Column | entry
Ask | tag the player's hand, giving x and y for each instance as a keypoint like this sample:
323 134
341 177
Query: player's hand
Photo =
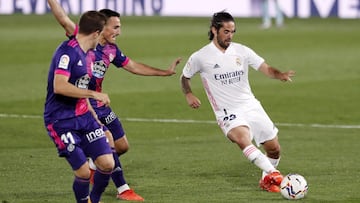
286 76
171 70
192 101
102 97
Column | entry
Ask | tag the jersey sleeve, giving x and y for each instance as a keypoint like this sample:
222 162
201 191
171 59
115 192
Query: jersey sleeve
191 67
120 59
254 59
63 61
73 35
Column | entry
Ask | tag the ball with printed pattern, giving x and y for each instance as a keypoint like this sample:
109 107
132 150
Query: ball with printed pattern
294 186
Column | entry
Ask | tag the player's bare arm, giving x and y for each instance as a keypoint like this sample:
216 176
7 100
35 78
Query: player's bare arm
62 17
275 73
146 70
191 99
63 87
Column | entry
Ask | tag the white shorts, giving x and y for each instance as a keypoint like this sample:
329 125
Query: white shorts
252 115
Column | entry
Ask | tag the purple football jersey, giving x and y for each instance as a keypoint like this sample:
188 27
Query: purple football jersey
99 60
103 57
69 60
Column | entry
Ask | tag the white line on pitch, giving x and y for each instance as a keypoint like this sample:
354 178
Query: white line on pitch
314 125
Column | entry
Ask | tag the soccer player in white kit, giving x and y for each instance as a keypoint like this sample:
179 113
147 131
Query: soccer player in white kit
224 66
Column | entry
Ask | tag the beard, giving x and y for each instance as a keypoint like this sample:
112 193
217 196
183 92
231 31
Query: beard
223 43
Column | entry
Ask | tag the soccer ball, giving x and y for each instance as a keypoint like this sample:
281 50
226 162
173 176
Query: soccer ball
293 186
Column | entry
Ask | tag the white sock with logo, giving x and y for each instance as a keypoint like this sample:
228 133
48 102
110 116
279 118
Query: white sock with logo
258 158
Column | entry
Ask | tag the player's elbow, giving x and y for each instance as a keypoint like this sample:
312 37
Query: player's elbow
58 90
184 79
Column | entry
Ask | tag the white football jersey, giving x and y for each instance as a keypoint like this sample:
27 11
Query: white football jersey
224 75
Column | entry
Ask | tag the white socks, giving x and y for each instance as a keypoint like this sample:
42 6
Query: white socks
123 188
259 159
274 162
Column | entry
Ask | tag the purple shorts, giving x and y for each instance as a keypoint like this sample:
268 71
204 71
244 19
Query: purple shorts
78 138
111 121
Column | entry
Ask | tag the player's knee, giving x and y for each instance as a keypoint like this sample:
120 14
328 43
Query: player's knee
121 146
105 162
122 150
83 172
273 151
108 166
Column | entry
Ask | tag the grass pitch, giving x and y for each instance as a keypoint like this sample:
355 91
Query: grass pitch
317 115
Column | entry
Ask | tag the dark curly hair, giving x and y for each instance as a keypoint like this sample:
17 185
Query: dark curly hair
217 21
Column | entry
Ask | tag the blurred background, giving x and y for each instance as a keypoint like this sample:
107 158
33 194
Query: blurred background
243 8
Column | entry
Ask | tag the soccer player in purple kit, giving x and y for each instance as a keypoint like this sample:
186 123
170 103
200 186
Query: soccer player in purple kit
72 127
107 53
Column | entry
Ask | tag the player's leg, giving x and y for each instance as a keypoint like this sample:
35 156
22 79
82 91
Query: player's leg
265 134
272 149
236 125
81 180
63 134
117 175
104 166
92 165
266 19
112 122
97 148
241 136
121 146
279 15
118 134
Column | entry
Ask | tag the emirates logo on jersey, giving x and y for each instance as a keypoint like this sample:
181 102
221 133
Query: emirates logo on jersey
229 78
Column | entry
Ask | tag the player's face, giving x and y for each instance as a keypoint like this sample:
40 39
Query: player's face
225 34
112 29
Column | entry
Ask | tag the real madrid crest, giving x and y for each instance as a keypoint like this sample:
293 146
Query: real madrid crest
238 62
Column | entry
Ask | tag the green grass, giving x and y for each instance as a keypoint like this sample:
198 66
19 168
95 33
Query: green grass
190 162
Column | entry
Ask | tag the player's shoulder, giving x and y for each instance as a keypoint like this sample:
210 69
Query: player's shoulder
237 45
70 49
109 46
205 50
70 46
67 46
240 48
